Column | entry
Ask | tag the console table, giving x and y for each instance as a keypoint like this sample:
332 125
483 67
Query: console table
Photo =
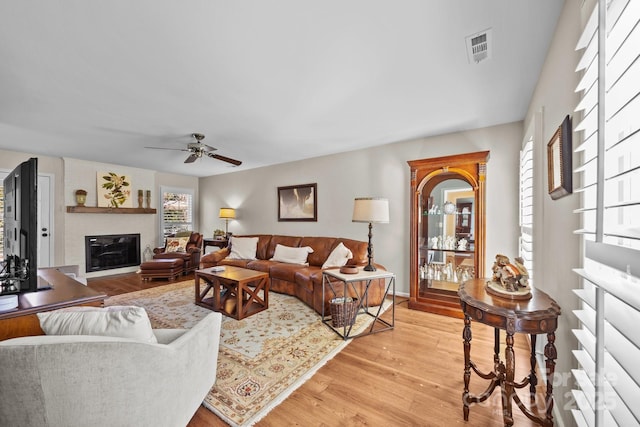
534 316
339 284
220 243
65 292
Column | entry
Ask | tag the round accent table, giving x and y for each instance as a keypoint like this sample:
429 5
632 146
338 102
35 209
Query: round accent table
537 315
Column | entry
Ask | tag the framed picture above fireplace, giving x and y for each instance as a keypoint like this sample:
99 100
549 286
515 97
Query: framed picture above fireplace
114 190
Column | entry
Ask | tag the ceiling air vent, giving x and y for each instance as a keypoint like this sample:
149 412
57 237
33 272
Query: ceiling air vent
479 46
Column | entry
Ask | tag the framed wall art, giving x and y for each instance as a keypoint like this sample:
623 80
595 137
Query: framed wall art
114 190
559 154
298 203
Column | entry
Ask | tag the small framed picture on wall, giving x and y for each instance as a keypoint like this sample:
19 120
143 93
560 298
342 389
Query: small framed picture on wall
559 154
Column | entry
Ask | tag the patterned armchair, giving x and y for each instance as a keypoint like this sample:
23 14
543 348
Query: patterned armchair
190 253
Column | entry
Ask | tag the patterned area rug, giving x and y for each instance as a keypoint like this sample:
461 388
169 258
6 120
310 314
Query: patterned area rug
262 358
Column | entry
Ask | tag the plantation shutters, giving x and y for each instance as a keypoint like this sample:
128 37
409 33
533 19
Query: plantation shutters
525 249
177 210
609 373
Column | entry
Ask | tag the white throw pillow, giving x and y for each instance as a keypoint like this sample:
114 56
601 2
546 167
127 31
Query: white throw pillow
116 321
291 255
243 248
338 256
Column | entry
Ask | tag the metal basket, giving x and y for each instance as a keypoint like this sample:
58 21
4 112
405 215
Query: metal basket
343 311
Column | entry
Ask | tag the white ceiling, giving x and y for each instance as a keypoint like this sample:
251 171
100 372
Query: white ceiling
267 82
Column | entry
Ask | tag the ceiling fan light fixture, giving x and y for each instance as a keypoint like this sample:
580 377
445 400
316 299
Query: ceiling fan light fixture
197 149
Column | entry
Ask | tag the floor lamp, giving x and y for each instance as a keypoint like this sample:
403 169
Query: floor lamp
227 214
370 209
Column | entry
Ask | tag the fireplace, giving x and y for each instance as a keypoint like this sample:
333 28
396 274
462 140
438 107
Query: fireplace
111 251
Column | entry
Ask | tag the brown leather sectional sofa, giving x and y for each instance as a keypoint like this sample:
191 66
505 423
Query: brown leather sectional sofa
304 282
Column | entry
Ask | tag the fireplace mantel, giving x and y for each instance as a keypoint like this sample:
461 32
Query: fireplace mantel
93 209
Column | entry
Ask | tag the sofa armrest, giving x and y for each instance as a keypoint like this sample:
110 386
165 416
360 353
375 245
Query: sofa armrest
213 258
193 250
166 336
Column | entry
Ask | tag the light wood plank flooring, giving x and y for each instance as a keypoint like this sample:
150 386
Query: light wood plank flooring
411 376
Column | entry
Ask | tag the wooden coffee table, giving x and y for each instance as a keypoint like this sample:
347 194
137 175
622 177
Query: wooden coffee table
235 291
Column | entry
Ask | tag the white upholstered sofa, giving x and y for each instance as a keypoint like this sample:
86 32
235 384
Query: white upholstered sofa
87 380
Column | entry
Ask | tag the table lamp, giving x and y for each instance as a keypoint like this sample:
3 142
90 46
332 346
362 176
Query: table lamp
370 209
227 214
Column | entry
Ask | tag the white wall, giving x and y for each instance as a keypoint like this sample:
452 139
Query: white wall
81 174
557 249
381 172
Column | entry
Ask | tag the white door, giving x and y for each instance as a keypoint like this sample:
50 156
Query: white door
45 242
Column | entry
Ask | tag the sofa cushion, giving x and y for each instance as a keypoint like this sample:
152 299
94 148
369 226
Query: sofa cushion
116 321
322 247
291 241
284 271
243 247
338 257
262 246
302 277
176 244
263 265
243 263
292 255
358 249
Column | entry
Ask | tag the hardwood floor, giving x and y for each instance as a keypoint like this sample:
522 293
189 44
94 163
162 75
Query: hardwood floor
410 376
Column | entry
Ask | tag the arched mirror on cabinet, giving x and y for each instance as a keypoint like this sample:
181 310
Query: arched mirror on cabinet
447 229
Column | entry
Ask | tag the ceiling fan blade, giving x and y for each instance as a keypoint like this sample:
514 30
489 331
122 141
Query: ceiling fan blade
208 147
192 158
163 148
224 159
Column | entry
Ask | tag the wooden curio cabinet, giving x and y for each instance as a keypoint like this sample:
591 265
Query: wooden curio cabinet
447 229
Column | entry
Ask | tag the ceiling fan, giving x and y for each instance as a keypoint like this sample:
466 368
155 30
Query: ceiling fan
197 149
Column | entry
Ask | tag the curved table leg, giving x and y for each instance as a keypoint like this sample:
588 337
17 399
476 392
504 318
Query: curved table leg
551 354
466 336
508 390
533 379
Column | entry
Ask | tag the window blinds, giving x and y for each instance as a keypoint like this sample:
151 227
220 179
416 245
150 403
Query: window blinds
526 205
177 211
609 172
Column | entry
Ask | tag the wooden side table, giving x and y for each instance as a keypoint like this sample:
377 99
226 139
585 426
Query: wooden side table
235 291
220 243
537 315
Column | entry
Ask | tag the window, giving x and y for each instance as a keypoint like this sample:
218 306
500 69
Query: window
525 249
609 171
177 210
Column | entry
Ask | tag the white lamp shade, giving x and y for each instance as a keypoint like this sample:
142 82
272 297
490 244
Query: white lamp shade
371 209
227 213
